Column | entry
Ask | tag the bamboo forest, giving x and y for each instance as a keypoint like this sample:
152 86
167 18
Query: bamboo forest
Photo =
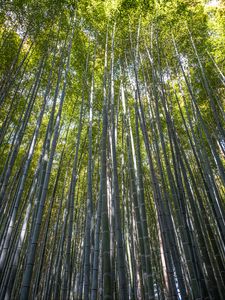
112 149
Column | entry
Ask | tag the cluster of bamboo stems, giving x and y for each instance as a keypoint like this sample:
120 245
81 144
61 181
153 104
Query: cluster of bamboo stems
136 210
